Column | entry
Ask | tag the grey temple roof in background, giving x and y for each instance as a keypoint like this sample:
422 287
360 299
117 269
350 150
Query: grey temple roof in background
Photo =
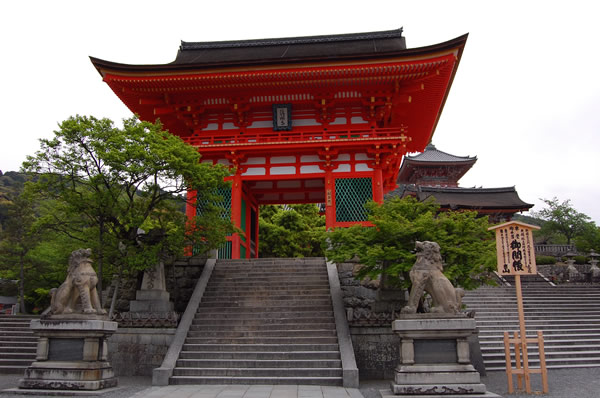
433 155
466 198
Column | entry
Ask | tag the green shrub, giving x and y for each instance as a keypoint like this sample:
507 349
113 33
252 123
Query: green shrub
545 260
580 259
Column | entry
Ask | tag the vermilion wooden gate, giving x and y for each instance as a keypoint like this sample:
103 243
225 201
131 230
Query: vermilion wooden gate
322 119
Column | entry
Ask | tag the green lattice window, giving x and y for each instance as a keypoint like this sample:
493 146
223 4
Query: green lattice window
221 199
225 250
351 194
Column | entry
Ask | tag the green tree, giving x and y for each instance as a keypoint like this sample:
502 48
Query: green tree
562 219
291 231
108 184
467 247
17 240
588 239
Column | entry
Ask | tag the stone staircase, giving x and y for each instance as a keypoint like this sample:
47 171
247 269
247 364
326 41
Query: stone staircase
568 315
263 321
17 344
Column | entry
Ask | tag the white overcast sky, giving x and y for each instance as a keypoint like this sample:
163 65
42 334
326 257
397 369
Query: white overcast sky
525 100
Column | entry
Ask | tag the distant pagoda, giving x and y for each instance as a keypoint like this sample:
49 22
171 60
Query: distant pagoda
435 174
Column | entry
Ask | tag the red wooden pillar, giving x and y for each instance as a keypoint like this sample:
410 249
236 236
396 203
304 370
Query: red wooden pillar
190 212
378 185
329 200
257 236
236 214
190 206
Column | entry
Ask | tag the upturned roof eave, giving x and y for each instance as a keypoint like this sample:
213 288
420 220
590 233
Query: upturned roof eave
104 65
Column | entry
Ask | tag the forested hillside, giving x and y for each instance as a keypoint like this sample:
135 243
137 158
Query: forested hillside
11 184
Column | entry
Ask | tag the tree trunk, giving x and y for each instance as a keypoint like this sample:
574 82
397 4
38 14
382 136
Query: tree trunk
22 283
115 293
100 260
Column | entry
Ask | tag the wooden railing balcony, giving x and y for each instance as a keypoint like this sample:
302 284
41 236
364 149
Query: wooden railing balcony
251 138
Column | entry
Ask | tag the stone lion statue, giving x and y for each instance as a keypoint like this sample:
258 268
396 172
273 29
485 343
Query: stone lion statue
78 288
426 275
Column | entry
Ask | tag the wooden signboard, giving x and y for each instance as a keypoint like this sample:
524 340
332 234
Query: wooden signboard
514 248
516 256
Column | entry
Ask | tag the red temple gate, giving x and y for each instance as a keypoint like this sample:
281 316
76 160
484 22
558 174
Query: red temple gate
322 119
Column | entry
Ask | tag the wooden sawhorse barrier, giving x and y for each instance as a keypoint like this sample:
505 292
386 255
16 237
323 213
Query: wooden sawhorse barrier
522 369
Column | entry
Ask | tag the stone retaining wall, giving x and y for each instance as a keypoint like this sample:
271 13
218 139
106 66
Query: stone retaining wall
136 351
559 273
181 277
377 352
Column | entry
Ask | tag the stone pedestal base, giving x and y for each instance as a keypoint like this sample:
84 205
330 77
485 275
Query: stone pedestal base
148 301
435 358
71 355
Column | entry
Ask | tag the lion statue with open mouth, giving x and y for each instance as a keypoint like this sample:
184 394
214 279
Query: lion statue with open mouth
427 276
78 288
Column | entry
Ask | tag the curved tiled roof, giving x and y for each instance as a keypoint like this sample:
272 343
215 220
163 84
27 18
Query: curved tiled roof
432 154
291 48
466 198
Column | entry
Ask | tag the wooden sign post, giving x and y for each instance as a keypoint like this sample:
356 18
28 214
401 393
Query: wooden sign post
516 256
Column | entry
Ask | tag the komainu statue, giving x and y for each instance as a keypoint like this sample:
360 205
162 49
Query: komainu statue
78 293
426 275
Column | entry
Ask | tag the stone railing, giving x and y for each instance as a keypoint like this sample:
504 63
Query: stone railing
554 250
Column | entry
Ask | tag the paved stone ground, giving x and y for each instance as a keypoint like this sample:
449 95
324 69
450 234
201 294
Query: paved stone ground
564 383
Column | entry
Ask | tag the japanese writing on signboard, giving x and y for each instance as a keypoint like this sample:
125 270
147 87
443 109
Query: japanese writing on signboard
282 117
514 246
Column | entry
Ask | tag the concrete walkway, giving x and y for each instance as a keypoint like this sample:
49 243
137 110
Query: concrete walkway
564 383
242 391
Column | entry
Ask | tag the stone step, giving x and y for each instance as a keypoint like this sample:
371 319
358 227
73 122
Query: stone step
271 279
267 269
259 372
551 363
15 339
7 334
272 288
260 310
16 328
260 355
244 320
280 271
13 369
230 334
541 315
544 326
28 349
266 303
261 340
20 362
265 296
236 327
532 352
248 285
263 322
572 333
28 355
534 310
543 304
274 260
546 291
313 380
204 315
262 347
553 341
259 363
531 292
